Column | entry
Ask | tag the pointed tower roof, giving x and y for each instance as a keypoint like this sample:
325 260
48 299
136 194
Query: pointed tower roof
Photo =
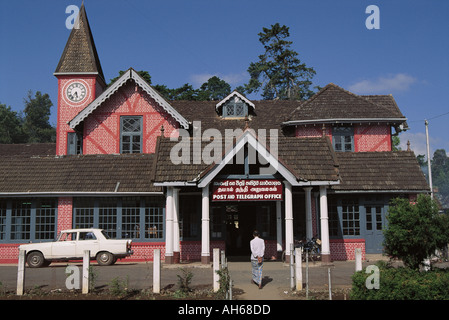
80 55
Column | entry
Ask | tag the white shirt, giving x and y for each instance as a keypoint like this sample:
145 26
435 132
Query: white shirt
257 248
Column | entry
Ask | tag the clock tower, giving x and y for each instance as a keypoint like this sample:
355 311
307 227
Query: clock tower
80 81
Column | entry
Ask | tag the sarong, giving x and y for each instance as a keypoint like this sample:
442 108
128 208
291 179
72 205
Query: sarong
257 271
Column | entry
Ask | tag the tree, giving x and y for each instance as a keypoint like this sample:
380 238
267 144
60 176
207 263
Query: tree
440 175
186 92
144 74
421 160
37 114
214 89
10 126
279 73
415 230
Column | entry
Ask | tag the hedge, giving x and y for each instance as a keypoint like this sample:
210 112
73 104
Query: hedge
402 284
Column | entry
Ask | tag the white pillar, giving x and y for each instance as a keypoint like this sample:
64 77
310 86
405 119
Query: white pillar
324 219
308 201
176 245
157 271
288 219
205 232
216 267
358 259
278 226
169 226
86 265
21 273
298 269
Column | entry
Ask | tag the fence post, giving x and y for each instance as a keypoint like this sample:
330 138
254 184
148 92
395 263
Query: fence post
21 273
292 268
86 265
216 267
157 271
298 261
358 259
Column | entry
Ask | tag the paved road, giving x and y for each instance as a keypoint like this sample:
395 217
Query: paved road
139 276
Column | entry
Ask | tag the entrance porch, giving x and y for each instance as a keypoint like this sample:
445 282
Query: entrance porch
228 225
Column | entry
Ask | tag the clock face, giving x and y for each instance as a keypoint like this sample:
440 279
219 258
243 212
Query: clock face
76 92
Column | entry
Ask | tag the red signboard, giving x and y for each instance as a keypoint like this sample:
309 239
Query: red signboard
246 190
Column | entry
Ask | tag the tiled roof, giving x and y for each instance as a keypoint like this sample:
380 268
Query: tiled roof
31 149
80 54
333 102
310 159
380 171
267 114
88 173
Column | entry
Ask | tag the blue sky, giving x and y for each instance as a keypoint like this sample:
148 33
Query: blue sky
187 41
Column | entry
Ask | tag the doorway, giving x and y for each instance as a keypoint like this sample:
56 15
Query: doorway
241 221
374 223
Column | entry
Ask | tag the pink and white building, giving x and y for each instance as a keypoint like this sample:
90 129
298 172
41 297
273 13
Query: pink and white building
113 167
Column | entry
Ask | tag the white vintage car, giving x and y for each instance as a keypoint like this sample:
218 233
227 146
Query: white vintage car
71 244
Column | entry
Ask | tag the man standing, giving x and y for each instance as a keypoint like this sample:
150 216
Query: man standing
257 252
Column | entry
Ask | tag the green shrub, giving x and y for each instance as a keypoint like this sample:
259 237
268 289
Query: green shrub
402 284
415 230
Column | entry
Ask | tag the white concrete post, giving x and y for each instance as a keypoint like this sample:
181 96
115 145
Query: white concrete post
176 246
205 232
157 271
324 219
358 259
169 226
86 264
288 219
278 226
216 267
21 273
308 201
298 275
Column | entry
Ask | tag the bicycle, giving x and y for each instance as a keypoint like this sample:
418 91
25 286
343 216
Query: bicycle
311 247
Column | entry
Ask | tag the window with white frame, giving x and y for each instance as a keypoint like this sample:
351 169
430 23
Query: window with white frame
28 219
140 218
350 217
45 219
74 143
235 108
131 134
3 212
343 139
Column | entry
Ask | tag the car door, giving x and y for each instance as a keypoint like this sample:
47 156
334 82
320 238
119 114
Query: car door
87 241
65 246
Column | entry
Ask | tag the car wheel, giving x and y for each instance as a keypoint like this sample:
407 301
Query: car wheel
35 259
105 258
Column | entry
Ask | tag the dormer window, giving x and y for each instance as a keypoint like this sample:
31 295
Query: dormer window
234 106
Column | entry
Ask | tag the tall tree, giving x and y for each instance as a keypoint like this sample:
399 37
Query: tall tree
36 124
279 73
214 89
10 126
440 175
